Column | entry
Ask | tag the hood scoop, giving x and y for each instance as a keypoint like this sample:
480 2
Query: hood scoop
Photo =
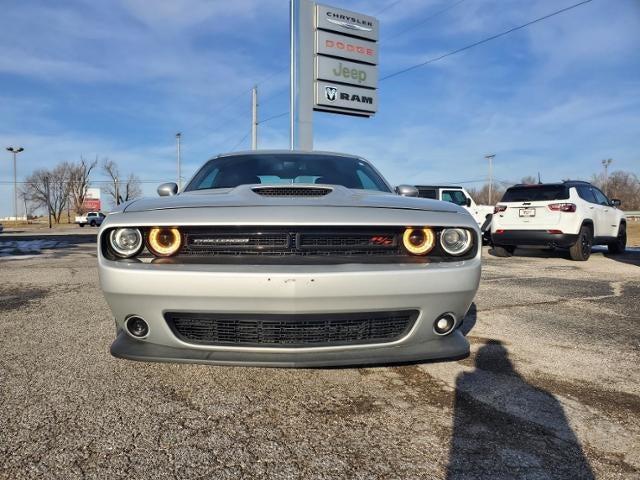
293 191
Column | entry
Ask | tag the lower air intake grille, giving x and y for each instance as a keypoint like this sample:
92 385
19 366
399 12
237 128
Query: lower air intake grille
296 330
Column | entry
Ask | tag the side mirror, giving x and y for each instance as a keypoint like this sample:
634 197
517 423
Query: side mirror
407 191
468 201
615 202
167 189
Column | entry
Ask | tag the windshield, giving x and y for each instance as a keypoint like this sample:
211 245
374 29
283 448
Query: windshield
287 169
532 193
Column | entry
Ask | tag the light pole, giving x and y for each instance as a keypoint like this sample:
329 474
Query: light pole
178 138
15 151
490 157
605 164
254 118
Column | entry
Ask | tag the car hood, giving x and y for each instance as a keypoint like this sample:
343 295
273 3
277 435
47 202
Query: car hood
245 196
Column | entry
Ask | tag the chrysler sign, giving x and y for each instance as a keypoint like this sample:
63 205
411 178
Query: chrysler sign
346 59
346 22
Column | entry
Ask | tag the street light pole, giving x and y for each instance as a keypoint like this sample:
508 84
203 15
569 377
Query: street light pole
178 138
605 164
15 151
254 118
490 157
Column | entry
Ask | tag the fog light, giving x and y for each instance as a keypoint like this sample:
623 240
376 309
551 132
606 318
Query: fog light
444 324
137 327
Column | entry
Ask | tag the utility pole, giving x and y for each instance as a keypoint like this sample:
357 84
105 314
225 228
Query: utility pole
46 183
292 73
254 118
15 151
605 164
178 138
490 157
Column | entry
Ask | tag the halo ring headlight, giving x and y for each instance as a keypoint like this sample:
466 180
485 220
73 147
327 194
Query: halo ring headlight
164 241
125 242
418 241
456 241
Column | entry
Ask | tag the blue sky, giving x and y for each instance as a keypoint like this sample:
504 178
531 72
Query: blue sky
118 79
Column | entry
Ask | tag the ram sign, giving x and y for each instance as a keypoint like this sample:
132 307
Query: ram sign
346 59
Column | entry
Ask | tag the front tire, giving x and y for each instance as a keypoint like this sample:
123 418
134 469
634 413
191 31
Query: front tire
620 245
503 250
93 224
581 250
81 225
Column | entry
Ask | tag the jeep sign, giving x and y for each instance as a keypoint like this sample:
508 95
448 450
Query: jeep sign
343 71
362 101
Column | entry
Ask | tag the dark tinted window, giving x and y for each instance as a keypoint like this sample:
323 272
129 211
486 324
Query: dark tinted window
585 193
454 196
600 197
534 193
287 169
427 193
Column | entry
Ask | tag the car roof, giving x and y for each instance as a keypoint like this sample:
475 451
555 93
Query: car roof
286 152
438 186
564 183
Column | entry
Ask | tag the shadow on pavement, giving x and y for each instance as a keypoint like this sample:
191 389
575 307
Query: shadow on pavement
506 428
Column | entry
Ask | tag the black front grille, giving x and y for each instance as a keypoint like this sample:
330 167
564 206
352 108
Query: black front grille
292 191
291 241
293 330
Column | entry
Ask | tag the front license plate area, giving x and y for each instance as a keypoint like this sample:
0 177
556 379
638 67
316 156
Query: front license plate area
528 212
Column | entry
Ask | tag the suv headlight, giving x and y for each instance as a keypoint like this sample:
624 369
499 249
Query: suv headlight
125 242
456 241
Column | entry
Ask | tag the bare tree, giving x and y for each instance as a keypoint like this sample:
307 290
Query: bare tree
50 189
79 182
481 195
624 186
118 190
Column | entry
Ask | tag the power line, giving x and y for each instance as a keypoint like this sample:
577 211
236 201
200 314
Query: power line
384 9
240 141
485 40
274 117
425 20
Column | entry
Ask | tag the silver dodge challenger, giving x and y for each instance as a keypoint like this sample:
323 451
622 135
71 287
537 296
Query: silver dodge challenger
292 259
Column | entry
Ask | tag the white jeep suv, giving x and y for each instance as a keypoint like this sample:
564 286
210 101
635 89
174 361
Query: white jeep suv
572 214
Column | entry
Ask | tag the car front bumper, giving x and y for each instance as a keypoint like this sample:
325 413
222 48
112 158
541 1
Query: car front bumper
533 238
151 290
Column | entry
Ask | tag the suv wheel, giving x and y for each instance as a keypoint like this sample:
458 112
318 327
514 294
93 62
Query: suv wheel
581 250
620 244
503 250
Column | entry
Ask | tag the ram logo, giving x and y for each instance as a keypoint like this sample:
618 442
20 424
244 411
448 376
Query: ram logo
331 93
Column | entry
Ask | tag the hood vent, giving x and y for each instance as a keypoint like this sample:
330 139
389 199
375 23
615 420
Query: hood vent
292 191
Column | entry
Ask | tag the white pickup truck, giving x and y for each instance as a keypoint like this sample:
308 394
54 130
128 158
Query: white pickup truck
481 213
93 219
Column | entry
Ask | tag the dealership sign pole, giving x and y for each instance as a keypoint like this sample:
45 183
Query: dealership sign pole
334 66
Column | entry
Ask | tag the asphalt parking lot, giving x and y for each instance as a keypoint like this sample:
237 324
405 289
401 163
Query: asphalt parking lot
551 389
